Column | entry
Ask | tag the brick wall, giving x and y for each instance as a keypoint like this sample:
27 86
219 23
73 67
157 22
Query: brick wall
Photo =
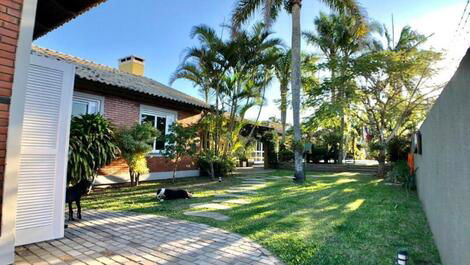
120 111
10 13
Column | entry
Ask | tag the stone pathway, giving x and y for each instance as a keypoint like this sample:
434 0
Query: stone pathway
239 195
133 238
234 201
211 215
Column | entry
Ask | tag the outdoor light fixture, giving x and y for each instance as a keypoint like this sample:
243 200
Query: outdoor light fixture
402 257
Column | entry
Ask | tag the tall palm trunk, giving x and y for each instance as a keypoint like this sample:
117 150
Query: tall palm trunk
342 126
299 176
283 111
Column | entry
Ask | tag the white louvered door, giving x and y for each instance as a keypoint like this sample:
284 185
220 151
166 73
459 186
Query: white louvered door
44 148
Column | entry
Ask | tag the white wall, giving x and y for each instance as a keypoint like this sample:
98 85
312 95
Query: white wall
443 174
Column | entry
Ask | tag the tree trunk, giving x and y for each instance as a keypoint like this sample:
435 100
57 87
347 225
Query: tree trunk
211 168
381 169
174 169
341 139
217 122
299 176
131 175
259 114
283 111
137 179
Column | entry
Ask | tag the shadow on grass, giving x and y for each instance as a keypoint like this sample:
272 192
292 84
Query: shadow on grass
332 219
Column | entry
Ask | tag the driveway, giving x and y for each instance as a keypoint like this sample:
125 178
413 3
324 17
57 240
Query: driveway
132 238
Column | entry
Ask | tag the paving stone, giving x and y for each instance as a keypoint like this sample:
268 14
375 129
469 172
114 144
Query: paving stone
212 215
229 195
132 238
234 201
241 191
215 206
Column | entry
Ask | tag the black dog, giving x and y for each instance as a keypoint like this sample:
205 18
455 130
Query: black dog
173 194
74 194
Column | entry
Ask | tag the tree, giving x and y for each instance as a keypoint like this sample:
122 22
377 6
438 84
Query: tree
339 37
282 68
180 142
91 146
271 8
236 72
395 88
135 143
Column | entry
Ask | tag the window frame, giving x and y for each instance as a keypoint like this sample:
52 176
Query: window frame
169 115
85 97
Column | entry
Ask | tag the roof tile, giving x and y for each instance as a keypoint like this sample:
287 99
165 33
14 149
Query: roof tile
111 76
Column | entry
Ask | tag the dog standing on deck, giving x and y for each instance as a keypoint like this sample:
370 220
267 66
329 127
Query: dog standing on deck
173 194
74 194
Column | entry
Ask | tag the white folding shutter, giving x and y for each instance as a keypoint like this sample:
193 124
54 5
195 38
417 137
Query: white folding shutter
44 148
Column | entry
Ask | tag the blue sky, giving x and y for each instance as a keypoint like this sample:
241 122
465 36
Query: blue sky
158 30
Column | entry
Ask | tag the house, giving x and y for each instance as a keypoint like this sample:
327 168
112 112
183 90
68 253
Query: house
39 93
35 107
125 97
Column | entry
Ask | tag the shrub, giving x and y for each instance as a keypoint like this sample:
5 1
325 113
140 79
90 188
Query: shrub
92 146
285 154
135 143
180 142
400 173
398 149
222 166
270 142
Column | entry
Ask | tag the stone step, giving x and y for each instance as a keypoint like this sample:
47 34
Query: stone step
211 215
242 191
233 201
214 206
225 195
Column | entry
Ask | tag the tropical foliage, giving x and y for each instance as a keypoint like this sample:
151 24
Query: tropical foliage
271 9
91 147
135 143
233 75
179 142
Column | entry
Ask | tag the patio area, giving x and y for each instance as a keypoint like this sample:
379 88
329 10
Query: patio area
132 238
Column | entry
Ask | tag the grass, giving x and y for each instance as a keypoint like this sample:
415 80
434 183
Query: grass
332 219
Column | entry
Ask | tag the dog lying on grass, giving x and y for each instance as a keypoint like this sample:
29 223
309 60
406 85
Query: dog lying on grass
74 194
173 194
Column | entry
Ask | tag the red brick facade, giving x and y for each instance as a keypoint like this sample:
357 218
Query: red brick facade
124 112
10 14
120 111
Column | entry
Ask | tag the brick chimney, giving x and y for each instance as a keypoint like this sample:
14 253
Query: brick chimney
132 65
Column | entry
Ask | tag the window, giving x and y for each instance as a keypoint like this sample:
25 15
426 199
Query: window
159 119
86 104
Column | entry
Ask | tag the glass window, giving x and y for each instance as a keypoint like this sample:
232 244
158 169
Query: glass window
161 126
160 123
79 108
83 105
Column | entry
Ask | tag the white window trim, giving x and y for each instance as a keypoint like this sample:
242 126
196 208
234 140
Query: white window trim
81 96
158 112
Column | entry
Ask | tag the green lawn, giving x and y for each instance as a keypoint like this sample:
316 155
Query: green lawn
332 219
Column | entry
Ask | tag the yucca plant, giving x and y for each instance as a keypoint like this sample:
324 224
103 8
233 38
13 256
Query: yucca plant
92 146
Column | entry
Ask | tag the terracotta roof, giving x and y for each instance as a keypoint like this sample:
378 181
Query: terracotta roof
51 14
90 70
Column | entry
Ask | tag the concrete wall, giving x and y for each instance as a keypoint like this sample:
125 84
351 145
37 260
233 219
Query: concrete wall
443 174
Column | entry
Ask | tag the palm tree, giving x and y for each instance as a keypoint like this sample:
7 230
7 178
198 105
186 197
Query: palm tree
271 8
282 69
339 36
